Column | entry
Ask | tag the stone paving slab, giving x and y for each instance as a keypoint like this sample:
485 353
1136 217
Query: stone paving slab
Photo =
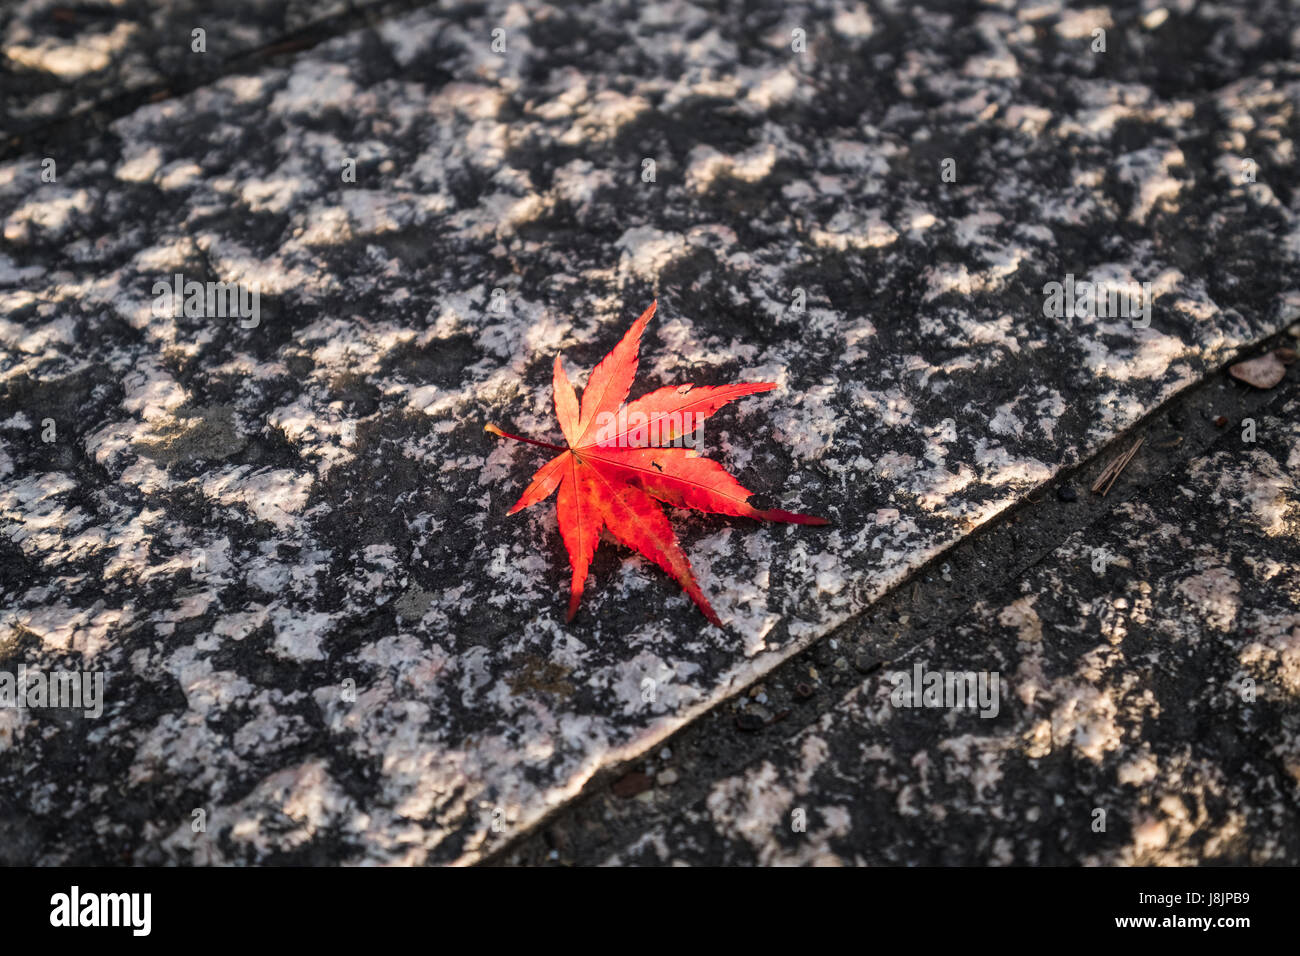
236 522
1149 710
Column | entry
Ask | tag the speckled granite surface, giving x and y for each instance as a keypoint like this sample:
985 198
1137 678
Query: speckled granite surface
60 59
1149 713
329 462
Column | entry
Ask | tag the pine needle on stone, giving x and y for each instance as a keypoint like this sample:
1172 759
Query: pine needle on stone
1112 471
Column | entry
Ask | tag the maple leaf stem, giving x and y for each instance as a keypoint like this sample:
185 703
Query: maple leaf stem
540 444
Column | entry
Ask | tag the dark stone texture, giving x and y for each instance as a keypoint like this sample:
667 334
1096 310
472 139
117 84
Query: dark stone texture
1161 691
243 523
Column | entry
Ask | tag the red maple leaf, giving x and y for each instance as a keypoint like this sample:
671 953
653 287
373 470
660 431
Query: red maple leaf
618 462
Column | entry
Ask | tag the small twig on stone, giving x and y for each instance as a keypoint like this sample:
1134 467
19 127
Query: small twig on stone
1112 471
